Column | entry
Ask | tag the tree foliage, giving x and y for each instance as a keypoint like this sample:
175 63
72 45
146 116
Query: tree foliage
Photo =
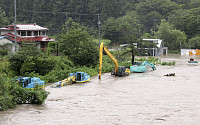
187 20
194 43
170 36
77 44
152 11
6 99
24 55
123 29
3 19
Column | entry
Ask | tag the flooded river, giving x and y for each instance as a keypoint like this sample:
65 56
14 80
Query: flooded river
138 99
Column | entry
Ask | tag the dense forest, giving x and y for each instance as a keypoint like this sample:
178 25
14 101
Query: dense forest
122 21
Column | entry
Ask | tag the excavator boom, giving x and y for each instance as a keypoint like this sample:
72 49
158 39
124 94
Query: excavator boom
105 49
100 59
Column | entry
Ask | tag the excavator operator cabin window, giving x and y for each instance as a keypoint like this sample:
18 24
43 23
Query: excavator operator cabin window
78 76
29 80
26 83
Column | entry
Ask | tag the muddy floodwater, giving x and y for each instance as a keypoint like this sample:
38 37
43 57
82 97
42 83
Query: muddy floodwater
138 99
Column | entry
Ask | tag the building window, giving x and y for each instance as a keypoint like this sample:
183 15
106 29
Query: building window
23 33
29 33
35 33
43 33
19 33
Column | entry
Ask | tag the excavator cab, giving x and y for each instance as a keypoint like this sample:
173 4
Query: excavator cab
122 71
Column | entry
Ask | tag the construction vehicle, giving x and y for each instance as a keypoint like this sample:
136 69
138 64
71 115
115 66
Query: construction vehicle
118 70
28 82
67 81
142 67
78 77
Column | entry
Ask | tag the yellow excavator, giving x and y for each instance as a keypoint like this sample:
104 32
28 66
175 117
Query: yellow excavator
118 70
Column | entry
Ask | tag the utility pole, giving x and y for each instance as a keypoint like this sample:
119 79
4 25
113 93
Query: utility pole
15 28
99 23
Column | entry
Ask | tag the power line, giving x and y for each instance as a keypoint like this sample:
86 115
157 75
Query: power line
59 12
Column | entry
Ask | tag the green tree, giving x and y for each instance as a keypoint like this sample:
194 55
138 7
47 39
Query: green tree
6 99
152 11
187 21
129 26
171 37
123 29
3 19
194 43
77 44
110 31
5 96
52 48
24 54
188 4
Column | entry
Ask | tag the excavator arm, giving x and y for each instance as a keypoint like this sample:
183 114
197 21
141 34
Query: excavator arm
105 49
146 63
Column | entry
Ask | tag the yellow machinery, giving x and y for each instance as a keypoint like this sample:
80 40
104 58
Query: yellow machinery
118 70
78 77
67 81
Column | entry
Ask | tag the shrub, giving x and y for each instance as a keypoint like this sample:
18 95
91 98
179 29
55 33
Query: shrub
28 96
6 98
168 63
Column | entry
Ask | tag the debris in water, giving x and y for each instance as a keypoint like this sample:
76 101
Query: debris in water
160 119
170 74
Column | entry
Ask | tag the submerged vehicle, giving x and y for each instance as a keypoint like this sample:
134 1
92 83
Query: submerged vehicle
142 67
118 70
67 81
78 77
28 82
192 61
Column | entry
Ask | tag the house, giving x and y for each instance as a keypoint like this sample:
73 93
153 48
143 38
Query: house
5 41
158 51
25 33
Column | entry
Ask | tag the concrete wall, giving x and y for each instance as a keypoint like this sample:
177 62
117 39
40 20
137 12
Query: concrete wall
6 41
190 52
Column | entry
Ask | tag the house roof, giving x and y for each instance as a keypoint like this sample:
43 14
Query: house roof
159 41
21 39
31 27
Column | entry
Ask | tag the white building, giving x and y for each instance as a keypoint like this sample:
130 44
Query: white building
159 51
